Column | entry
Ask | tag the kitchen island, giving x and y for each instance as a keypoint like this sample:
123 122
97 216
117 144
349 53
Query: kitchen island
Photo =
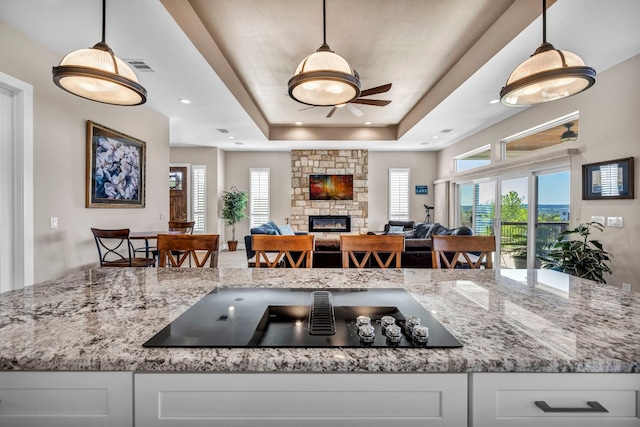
510 322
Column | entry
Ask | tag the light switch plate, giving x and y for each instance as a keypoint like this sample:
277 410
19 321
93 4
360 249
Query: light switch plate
614 221
598 219
54 222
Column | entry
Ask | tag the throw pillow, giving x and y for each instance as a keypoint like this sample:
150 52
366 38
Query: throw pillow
270 232
396 229
286 230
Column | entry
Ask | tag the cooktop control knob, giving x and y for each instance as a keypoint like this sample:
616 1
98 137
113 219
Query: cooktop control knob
394 334
366 333
386 321
420 334
363 320
411 322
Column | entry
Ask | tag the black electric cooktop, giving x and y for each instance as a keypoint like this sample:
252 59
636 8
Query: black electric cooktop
296 317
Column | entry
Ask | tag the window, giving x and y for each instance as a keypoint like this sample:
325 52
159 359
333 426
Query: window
199 173
399 194
560 131
258 196
473 159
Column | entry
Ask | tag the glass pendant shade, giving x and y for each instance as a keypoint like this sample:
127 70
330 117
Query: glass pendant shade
97 74
549 74
324 78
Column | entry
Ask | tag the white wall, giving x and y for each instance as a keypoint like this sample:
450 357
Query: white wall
609 129
423 165
60 161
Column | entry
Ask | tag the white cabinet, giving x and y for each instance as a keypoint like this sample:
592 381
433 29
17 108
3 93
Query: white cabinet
510 400
301 399
66 399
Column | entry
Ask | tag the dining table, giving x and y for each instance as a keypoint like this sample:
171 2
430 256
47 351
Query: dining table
149 235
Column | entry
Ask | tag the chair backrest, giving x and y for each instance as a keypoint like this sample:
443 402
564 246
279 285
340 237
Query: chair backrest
470 251
185 226
387 244
179 247
295 249
114 247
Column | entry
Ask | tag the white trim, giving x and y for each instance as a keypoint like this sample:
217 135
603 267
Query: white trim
23 186
544 126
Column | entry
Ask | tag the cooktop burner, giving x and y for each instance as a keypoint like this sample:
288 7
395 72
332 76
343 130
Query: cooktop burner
297 317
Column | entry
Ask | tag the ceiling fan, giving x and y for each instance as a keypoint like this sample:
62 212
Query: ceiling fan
359 100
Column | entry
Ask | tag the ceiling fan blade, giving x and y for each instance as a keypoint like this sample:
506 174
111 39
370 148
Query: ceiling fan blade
355 110
333 110
375 90
376 102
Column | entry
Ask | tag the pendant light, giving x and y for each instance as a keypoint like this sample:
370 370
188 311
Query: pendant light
324 78
568 135
98 75
549 74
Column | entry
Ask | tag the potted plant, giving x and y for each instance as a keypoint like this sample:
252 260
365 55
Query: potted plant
233 211
517 250
583 258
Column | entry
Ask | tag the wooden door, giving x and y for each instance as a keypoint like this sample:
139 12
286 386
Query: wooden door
178 191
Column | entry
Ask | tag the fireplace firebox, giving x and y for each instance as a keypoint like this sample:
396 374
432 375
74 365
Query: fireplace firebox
329 223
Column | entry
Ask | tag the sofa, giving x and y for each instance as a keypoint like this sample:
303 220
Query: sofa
417 240
270 228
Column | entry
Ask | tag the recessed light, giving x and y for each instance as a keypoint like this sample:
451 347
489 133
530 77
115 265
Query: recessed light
231 137
298 123
367 123
494 101
185 101
435 137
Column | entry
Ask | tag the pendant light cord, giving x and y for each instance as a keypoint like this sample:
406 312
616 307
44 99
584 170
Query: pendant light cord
104 7
324 21
544 21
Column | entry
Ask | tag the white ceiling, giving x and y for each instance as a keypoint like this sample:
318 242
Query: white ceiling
233 59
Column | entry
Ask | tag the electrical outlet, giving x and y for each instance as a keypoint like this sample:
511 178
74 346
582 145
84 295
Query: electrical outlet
626 287
598 219
614 221
54 222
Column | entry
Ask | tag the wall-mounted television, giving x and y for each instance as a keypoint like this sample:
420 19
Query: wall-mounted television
330 187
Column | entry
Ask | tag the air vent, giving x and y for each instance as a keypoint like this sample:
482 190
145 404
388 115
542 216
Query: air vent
446 130
223 130
139 65
321 318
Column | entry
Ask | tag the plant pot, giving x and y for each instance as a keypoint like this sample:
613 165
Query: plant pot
520 262
233 245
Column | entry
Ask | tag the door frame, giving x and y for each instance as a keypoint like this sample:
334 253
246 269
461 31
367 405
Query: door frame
22 192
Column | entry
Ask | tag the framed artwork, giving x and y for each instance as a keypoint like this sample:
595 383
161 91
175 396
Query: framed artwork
612 179
115 169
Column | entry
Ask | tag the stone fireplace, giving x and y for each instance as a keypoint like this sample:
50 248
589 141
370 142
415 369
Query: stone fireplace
338 162
329 223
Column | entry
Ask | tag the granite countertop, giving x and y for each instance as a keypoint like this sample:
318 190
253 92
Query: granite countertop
507 320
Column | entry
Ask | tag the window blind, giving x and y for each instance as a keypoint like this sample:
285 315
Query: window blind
199 213
399 194
258 196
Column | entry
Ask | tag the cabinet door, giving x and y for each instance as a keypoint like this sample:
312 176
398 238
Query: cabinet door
310 400
66 399
510 400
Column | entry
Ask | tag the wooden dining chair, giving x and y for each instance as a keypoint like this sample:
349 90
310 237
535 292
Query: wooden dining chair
364 246
115 249
295 249
200 247
463 251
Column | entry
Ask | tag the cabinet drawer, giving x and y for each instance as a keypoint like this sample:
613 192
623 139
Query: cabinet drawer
300 399
66 399
510 399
